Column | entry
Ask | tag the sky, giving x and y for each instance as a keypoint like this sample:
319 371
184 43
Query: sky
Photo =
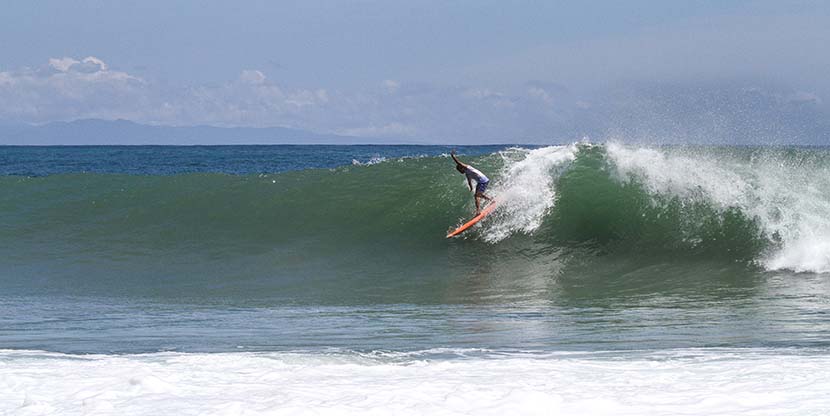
427 70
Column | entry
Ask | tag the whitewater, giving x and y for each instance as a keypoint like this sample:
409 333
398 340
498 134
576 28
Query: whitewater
783 193
668 383
614 279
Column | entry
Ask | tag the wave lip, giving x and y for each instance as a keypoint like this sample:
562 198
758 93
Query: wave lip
786 192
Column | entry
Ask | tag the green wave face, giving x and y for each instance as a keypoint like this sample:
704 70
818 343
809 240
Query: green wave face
574 219
598 207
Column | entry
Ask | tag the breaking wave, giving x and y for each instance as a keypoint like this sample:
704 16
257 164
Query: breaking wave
764 207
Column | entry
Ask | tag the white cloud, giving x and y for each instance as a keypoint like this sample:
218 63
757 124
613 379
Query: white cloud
88 65
391 86
68 88
6 78
62 64
252 76
482 93
389 130
540 93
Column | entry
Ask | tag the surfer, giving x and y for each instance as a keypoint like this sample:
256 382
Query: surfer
473 174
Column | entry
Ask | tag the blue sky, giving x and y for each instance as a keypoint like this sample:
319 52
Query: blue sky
434 70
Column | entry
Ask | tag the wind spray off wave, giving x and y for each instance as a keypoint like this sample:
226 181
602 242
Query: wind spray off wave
786 192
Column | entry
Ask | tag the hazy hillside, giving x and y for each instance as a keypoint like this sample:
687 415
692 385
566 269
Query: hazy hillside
119 132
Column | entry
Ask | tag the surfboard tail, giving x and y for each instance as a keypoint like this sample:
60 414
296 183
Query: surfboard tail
484 213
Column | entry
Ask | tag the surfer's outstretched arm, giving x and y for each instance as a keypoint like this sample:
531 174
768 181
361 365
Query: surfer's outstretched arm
457 162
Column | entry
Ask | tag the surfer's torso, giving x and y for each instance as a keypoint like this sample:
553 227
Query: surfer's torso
475 174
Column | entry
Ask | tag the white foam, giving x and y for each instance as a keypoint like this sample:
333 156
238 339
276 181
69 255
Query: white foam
374 160
526 189
789 198
690 382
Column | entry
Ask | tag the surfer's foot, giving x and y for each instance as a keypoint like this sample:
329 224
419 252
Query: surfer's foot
477 214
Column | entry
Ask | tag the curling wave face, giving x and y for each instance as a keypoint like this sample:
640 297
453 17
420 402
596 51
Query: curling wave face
377 228
770 207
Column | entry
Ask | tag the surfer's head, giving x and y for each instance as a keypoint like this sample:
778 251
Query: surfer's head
460 168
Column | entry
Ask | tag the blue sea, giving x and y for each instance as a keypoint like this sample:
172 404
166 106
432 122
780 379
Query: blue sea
613 279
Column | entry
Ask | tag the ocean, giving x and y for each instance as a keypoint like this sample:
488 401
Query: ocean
614 279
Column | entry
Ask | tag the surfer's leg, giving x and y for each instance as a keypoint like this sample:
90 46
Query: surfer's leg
480 188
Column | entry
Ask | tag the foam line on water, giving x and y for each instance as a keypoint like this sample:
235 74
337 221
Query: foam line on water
739 382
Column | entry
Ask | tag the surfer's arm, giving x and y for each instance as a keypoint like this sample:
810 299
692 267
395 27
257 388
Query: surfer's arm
470 184
456 159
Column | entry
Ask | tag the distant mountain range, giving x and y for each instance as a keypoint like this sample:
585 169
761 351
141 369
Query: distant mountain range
123 132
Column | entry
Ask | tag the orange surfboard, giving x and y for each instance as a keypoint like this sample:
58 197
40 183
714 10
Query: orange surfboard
486 211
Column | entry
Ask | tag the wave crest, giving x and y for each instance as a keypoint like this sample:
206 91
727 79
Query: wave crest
770 207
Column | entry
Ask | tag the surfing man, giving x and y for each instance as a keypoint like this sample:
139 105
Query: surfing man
473 174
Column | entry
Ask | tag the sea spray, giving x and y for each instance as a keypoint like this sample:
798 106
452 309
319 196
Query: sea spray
526 189
786 192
